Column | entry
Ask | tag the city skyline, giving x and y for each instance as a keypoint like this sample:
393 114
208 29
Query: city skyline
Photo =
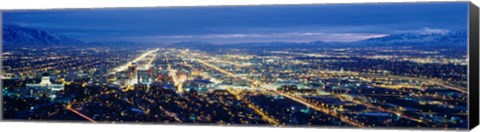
338 65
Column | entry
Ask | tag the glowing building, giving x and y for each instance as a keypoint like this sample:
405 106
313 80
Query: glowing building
43 89
144 76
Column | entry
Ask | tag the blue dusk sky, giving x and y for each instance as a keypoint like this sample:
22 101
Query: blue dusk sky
236 24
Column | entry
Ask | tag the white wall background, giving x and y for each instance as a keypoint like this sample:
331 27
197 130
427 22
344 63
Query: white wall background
74 127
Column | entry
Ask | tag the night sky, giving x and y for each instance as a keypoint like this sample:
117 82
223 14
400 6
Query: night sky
234 24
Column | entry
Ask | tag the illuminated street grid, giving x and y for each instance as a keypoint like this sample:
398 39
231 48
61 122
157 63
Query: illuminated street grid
357 87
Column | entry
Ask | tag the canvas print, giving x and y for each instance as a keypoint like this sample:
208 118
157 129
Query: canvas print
374 65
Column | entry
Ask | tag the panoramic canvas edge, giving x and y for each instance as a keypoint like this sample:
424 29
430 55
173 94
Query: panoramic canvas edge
473 39
1 65
473 42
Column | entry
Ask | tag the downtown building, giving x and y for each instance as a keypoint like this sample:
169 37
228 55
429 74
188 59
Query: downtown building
43 89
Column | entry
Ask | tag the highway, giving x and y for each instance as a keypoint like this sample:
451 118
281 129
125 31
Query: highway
141 57
333 113
69 107
436 82
173 75
367 104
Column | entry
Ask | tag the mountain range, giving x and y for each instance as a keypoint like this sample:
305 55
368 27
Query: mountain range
21 36
16 35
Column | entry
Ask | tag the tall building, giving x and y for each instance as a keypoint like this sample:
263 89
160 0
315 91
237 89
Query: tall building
99 76
144 76
44 88
123 78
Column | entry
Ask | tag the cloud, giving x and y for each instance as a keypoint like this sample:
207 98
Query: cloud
213 36
259 37
348 37
427 30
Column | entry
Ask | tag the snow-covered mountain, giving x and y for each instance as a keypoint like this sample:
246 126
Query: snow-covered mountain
22 36
416 39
